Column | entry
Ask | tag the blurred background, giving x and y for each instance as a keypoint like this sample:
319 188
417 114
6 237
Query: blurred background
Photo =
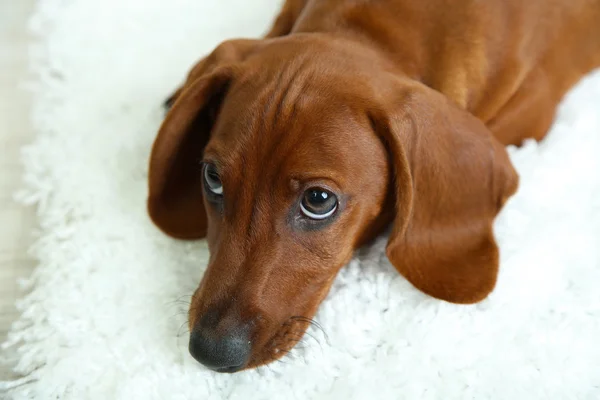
16 222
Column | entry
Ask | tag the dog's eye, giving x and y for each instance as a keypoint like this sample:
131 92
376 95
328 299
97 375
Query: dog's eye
212 180
318 203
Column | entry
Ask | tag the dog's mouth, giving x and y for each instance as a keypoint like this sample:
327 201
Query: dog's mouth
230 354
235 336
290 335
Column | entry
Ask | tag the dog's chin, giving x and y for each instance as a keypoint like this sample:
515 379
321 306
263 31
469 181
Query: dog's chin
282 343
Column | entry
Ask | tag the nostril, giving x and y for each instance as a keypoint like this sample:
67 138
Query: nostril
229 353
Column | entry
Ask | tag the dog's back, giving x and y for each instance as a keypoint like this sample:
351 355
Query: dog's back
500 59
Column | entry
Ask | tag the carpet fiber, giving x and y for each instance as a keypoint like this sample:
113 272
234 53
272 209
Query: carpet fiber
103 316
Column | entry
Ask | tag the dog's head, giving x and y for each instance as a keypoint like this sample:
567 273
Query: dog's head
287 154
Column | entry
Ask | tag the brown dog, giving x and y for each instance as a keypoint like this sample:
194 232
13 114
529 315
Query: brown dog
349 116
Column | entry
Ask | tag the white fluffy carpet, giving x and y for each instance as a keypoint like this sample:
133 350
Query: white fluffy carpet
104 307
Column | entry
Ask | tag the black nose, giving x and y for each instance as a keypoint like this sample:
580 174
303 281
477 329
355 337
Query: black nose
229 353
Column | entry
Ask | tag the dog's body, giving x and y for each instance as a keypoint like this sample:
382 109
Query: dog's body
364 111
507 62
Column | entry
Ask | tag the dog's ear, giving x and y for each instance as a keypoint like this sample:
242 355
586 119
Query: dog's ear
175 200
451 179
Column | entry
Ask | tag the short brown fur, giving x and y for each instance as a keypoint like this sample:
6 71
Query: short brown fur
400 107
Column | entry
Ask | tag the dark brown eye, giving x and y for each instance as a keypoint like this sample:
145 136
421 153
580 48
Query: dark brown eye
318 203
212 181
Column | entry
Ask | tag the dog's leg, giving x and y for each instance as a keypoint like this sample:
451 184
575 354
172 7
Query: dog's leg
537 99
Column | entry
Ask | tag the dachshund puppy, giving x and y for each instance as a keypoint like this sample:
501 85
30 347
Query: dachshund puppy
289 152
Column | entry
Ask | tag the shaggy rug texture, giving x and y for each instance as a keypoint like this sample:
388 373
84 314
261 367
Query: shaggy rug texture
103 316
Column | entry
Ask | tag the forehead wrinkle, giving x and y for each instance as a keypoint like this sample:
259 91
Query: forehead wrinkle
245 104
240 151
289 141
237 139
255 219
271 98
282 107
252 139
291 136
257 193
290 90
257 151
285 155
324 151
245 156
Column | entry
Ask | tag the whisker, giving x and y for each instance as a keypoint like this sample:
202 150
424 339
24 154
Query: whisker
259 370
297 339
314 338
280 361
288 353
310 335
300 347
307 320
180 299
296 344
270 367
312 322
187 329
179 313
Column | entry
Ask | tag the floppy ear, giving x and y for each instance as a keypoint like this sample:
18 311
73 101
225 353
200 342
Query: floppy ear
452 177
228 52
175 200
